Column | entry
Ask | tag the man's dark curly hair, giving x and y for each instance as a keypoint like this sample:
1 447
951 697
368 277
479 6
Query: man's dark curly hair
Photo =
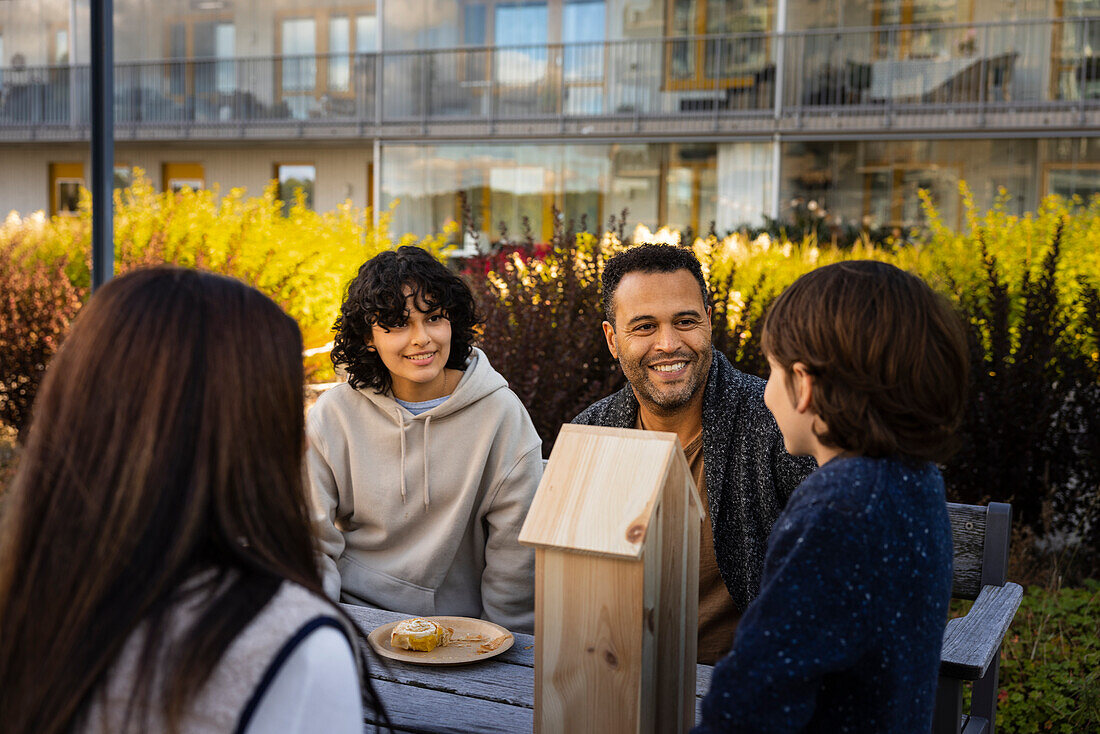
376 296
648 259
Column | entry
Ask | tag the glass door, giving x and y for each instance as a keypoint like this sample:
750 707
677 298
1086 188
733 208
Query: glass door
582 37
523 79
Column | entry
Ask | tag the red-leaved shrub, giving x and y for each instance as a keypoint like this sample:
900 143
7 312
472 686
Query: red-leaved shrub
37 303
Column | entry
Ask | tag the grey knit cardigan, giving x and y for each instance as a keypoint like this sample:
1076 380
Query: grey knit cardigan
749 474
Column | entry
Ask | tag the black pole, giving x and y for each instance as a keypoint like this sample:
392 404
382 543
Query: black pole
103 142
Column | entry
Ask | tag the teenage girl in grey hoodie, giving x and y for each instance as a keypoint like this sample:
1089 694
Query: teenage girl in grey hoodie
423 465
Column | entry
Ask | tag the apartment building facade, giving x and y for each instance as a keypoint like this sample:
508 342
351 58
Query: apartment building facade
690 113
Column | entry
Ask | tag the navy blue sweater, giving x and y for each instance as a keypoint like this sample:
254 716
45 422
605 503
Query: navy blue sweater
845 635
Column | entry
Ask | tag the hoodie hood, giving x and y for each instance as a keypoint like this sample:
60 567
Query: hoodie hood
479 380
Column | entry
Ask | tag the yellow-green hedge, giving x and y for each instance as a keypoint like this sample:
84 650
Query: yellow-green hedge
302 260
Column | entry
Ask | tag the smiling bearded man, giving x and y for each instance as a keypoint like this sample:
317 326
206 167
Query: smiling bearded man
657 311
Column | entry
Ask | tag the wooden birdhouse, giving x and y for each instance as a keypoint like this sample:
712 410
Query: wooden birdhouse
615 525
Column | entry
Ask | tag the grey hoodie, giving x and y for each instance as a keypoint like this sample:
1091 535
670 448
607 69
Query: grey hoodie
421 514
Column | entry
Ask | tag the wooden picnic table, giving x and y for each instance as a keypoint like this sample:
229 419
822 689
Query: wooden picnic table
495 695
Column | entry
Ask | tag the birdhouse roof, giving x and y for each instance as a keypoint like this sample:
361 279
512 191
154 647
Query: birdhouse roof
601 489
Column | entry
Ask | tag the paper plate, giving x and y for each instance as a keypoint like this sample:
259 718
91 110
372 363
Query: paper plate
472 640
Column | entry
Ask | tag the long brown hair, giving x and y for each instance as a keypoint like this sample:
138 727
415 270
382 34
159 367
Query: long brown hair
888 356
167 438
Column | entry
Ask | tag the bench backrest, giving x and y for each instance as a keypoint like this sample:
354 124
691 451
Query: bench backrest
981 536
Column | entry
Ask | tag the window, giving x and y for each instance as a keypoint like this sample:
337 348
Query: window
366 34
204 48
500 184
583 31
225 47
711 58
298 38
1075 62
60 53
923 42
294 178
339 62
523 26
66 180
308 86
123 176
343 37
892 193
691 187
526 71
1073 179
178 176
58 42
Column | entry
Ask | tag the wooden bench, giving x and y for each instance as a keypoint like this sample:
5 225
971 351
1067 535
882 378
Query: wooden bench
972 644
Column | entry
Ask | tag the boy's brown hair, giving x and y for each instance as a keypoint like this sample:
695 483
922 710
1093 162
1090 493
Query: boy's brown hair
887 354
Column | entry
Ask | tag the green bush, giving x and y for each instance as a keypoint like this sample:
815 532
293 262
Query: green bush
1027 287
1050 663
301 259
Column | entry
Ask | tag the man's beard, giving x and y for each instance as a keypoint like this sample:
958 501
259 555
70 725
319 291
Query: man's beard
672 397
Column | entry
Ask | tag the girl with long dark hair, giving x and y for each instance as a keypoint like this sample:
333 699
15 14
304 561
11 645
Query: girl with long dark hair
157 571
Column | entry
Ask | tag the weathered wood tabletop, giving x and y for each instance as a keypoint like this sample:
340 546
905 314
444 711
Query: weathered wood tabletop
496 695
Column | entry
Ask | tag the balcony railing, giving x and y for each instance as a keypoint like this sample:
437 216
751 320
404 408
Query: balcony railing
906 78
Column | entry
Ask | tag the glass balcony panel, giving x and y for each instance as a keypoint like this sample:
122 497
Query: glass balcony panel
991 67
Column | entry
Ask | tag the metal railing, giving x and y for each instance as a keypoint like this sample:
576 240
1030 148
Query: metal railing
919 71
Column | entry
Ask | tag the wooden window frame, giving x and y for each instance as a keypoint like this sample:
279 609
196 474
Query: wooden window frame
320 18
905 40
555 11
275 174
699 81
553 35
669 160
897 172
52 29
64 172
188 22
1050 166
1058 63
185 171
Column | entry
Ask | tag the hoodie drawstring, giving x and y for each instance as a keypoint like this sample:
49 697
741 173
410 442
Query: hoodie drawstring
401 424
427 422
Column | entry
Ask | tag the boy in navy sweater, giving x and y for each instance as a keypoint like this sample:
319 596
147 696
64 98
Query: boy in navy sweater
868 375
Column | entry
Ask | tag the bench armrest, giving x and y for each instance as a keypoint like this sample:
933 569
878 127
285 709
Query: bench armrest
970 642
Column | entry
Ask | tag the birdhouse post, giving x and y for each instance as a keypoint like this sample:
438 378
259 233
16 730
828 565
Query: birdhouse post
615 525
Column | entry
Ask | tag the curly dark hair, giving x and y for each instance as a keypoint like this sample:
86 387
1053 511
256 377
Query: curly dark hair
650 258
376 296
